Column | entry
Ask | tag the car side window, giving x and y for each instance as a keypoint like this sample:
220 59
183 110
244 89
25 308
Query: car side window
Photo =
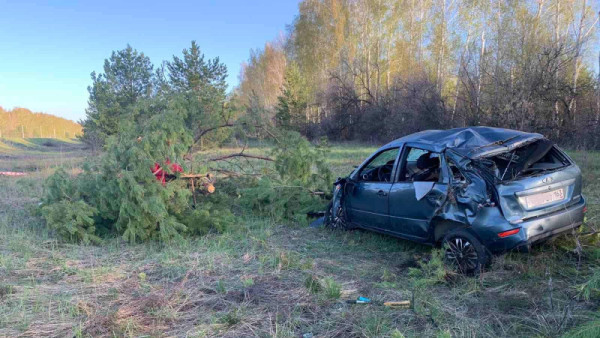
420 165
379 169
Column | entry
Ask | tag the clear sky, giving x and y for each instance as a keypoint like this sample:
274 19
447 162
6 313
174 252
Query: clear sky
49 48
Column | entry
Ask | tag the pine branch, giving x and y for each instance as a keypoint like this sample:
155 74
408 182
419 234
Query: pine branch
240 154
208 130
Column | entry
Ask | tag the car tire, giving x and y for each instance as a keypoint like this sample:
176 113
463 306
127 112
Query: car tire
336 220
464 253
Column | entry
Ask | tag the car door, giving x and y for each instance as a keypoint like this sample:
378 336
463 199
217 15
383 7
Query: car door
415 196
367 193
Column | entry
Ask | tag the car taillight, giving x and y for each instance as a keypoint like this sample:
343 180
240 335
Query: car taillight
508 233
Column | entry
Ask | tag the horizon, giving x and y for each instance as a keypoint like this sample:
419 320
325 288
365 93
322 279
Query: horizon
51 59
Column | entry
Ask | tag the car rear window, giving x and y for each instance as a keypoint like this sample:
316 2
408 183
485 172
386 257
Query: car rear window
532 159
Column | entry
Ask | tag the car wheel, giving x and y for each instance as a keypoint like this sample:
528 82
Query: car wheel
463 252
336 219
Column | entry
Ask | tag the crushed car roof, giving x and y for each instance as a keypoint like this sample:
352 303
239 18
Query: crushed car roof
471 142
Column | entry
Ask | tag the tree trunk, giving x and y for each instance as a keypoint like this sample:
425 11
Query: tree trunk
368 70
481 55
576 60
441 53
458 76
597 118
420 42
389 68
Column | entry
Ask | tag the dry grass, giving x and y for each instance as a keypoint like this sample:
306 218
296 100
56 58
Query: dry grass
253 282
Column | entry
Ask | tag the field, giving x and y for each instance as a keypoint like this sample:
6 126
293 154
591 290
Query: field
281 280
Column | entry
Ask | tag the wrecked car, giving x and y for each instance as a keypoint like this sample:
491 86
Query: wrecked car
475 191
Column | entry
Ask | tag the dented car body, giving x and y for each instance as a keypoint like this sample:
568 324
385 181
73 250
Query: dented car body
504 188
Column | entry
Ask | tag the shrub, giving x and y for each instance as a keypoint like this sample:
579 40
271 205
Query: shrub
208 217
301 183
72 221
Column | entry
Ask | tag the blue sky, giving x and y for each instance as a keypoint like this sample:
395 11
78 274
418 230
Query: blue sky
49 48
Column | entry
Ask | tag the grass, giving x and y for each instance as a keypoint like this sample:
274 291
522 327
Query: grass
39 155
280 280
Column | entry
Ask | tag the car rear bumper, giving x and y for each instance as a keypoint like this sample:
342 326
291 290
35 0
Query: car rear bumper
540 228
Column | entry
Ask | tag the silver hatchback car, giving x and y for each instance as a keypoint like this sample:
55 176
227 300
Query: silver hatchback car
476 191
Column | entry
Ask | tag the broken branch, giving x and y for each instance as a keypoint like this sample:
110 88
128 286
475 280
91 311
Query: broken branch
208 130
222 158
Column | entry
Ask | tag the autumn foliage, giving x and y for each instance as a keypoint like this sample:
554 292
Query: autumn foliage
23 123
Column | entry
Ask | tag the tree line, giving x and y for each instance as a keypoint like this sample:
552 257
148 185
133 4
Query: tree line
374 70
23 123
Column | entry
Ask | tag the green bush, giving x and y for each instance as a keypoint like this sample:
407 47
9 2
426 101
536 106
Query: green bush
212 214
72 221
302 182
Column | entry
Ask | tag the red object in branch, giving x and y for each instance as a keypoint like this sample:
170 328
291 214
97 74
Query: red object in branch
161 175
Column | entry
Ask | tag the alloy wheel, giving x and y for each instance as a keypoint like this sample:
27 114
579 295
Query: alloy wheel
462 254
337 218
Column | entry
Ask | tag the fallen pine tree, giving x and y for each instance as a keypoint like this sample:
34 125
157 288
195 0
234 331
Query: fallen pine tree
118 194
148 126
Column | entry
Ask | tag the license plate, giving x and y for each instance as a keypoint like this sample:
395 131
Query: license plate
537 200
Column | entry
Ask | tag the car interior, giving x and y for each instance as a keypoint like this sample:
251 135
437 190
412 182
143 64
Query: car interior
420 166
379 169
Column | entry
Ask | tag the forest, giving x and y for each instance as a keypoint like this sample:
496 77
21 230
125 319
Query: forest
22 123
374 70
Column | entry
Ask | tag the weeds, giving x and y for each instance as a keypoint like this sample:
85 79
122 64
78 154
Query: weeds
231 318
220 286
591 287
312 284
331 288
430 272
587 330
